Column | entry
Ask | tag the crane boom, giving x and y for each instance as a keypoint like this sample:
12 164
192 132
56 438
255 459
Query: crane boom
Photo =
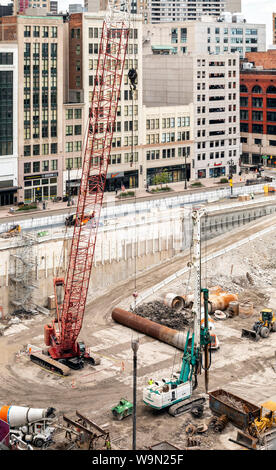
102 116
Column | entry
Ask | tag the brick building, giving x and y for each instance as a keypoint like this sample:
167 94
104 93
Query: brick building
258 109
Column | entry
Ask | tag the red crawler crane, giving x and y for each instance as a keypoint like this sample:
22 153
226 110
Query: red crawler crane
63 345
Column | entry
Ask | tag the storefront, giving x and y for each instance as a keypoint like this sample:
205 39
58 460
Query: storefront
7 196
40 187
217 171
175 173
114 180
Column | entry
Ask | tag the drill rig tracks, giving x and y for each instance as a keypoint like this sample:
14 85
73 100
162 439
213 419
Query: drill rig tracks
50 364
182 407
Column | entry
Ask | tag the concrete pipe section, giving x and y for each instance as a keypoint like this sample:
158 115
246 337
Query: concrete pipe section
150 328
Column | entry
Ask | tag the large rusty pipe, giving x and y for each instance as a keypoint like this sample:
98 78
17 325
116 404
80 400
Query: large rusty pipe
150 328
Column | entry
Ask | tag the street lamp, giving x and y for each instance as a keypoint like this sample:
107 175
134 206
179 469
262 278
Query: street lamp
69 188
231 164
135 346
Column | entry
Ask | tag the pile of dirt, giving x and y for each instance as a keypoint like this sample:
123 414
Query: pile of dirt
158 312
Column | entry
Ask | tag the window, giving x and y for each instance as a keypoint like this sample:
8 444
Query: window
271 90
54 148
257 89
27 167
69 130
54 31
78 129
36 167
27 150
36 31
69 113
45 165
243 89
54 164
77 113
69 147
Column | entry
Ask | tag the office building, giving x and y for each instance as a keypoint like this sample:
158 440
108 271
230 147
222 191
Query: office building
8 123
210 83
40 43
205 36
185 10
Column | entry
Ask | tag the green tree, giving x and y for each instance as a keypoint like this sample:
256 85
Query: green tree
161 178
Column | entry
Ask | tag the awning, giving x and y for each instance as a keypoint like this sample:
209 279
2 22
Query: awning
163 48
7 190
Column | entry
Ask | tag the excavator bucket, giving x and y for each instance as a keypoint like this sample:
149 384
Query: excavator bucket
251 334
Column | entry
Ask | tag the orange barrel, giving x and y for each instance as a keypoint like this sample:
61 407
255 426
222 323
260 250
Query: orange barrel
246 309
48 332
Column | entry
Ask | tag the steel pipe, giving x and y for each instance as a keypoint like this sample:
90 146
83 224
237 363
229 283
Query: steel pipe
150 328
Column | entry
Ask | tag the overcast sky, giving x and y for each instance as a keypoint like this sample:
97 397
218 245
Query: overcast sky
260 11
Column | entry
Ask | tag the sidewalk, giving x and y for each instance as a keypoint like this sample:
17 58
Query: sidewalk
109 197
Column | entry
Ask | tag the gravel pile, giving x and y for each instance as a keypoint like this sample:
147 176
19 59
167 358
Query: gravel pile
160 313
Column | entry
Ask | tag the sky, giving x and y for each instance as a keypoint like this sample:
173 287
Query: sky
260 11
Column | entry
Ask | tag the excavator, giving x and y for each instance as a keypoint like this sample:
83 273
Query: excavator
63 352
175 394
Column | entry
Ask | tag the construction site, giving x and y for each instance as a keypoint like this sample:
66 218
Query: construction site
142 326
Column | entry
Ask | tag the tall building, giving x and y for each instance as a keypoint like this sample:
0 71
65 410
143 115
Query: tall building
8 123
40 42
183 10
6 10
20 6
258 109
205 36
210 83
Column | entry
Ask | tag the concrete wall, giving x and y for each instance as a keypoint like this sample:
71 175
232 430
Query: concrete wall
161 236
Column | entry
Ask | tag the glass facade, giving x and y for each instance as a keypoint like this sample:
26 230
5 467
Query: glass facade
6 112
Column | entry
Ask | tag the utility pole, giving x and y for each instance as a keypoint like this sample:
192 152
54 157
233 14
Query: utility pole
135 346
185 187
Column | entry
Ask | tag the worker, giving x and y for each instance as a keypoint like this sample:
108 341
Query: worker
150 382
108 444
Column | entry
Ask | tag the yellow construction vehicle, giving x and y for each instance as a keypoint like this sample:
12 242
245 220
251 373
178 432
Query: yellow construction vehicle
266 421
15 230
262 328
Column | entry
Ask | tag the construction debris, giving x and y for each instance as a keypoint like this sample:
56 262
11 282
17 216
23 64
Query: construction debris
158 312
218 423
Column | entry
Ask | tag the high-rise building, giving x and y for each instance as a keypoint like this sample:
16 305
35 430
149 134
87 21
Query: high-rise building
210 83
200 37
8 122
20 6
40 42
6 10
182 10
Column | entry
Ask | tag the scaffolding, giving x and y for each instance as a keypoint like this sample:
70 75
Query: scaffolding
23 274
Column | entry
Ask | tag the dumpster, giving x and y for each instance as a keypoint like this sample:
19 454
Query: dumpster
240 412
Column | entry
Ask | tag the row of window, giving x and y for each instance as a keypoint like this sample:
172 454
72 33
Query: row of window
73 130
168 153
73 113
46 31
258 115
44 149
234 31
36 167
215 63
258 128
271 90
